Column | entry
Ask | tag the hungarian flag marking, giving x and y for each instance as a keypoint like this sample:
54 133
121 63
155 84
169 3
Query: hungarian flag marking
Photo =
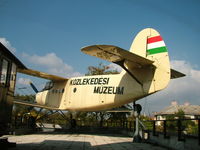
155 45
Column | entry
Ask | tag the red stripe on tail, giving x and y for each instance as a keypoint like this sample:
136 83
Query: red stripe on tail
154 39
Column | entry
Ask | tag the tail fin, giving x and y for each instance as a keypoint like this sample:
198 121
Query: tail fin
149 44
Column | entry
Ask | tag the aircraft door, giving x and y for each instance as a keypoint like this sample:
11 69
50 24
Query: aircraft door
3 79
5 96
13 78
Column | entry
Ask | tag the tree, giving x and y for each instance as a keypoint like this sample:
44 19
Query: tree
100 70
180 115
20 109
21 114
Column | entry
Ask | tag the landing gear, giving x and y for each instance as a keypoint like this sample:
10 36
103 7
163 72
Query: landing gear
137 136
72 122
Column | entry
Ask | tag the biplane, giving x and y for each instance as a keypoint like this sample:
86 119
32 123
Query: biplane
146 70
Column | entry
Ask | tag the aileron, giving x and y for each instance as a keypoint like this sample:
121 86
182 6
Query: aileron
115 54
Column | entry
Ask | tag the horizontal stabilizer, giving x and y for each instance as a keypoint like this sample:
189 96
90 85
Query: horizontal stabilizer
176 74
41 74
115 54
20 102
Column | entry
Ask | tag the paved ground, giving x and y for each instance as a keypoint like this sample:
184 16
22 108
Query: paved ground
77 142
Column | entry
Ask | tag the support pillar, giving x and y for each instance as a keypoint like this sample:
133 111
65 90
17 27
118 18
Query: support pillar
137 136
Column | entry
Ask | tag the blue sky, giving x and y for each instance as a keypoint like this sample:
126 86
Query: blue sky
47 35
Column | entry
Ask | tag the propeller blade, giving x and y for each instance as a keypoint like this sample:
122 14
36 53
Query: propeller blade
33 87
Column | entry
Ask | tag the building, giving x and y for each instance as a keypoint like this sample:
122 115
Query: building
8 70
190 111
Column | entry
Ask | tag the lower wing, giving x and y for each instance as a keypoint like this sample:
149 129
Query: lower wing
34 105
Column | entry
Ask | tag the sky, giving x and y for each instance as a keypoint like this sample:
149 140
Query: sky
47 36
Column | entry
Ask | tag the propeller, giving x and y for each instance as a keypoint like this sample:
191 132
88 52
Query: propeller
33 87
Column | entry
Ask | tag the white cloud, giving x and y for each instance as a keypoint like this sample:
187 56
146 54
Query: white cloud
115 67
23 81
7 44
187 68
52 64
195 74
187 86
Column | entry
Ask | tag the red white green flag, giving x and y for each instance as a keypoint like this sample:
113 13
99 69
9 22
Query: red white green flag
155 45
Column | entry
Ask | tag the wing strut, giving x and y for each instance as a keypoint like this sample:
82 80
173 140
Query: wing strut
121 63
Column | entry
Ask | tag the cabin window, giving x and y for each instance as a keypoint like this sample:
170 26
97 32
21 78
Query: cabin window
48 86
13 77
74 90
4 72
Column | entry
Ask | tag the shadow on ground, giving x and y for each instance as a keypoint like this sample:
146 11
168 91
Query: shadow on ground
72 145
77 142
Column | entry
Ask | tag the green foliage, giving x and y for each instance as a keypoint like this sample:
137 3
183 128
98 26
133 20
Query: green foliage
21 109
172 125
147 123
100 70
28 98
121 116
21 114
192 129
186 125
53 117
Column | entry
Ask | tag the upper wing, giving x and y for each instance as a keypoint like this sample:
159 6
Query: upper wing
41 74
115 54
176 74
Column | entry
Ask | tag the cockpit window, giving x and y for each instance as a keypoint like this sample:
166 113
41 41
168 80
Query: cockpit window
48 86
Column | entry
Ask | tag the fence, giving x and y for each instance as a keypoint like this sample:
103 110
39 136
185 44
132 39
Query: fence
182 128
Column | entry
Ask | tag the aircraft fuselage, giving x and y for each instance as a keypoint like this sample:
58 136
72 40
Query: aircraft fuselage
91 93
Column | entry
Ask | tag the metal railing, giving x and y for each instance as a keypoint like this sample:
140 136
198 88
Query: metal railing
181 128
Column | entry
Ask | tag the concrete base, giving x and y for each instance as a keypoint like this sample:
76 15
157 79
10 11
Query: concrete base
78 142
172 142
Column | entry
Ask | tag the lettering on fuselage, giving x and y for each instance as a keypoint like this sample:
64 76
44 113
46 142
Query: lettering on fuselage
90 81
108 90
99 89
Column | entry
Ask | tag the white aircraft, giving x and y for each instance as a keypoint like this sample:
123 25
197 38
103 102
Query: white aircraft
146 70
